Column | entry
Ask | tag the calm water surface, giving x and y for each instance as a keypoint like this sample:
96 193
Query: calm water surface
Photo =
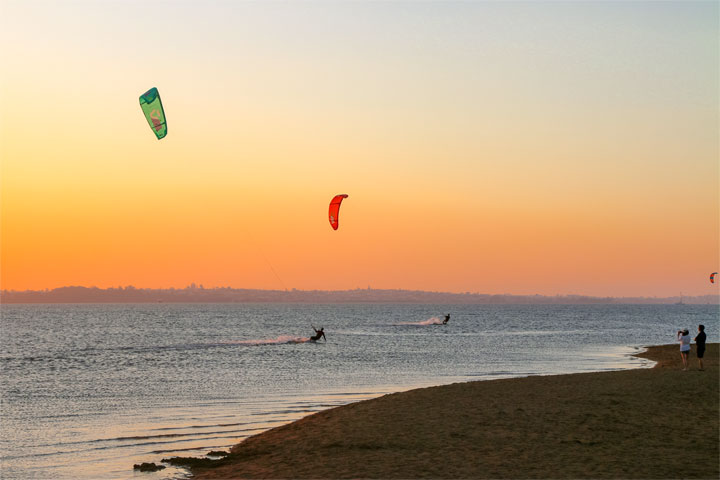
89 390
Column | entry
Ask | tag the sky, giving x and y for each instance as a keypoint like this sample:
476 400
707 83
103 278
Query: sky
492 147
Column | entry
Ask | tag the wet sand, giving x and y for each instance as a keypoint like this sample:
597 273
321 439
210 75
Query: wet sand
645 423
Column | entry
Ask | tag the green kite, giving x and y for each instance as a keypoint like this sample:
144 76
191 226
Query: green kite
152 108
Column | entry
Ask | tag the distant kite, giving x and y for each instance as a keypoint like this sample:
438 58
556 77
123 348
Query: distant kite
152 108
712 277
335 210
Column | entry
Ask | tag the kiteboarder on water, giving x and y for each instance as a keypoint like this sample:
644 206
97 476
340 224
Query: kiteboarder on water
447 319
318 334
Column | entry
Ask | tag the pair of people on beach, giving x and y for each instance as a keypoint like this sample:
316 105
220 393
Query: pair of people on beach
683 337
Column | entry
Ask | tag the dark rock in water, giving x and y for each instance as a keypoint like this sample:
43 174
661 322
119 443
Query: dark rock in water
217 453
148 467
193 462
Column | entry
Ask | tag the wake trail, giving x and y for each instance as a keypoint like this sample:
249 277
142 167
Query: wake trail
429 321
281 340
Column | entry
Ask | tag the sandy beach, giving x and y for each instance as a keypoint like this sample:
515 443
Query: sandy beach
645 423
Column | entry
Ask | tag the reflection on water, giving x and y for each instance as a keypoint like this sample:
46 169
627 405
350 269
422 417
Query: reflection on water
98 451
90 390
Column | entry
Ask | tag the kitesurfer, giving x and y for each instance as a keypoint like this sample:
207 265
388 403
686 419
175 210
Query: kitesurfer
318 334
447 319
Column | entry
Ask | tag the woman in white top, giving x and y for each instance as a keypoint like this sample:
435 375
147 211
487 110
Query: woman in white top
683 337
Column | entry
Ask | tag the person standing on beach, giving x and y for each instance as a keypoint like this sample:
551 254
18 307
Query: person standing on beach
683 337
700 342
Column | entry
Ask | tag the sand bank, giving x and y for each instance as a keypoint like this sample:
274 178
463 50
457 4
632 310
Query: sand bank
646 423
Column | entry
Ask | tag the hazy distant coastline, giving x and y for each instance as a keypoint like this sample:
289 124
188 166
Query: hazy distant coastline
198 294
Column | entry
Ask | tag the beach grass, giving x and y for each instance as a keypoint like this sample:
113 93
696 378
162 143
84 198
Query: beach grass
645 423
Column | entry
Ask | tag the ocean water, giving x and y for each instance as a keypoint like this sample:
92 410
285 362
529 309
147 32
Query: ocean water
89 390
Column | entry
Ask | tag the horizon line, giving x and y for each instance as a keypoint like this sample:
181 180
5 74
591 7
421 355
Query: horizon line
192 287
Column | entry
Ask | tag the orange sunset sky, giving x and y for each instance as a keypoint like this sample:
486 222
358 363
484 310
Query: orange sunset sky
540 147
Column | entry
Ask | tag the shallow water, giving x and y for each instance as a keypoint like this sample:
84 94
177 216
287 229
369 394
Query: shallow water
89 390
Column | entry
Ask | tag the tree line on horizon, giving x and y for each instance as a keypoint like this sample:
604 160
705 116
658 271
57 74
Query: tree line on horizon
198 294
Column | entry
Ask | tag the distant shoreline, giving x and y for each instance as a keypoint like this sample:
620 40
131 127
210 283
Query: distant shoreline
195 294
658 422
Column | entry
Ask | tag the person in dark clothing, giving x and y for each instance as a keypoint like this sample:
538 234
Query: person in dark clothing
447 319
700 342
318 334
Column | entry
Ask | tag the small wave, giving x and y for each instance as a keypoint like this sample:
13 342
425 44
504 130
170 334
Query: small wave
429 321
171 437
214 425
89 448
204 448
288 411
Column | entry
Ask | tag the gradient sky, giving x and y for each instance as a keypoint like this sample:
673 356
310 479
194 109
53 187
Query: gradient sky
486 147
